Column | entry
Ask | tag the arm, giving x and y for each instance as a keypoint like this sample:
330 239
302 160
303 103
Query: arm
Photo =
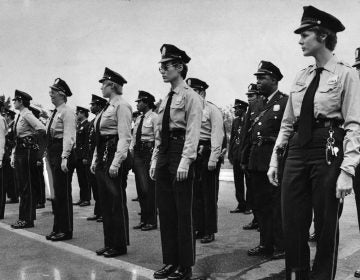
69 133
3 132
132 143
217 134
39 133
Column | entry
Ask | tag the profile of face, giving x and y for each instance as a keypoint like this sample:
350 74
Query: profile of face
106 88
170 71
55 96
310 43
94 108
80 116
251 97
17 104
141 105
265 84
239 111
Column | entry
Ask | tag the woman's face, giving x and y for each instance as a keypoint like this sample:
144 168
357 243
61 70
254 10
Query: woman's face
169 71
309 43
17 104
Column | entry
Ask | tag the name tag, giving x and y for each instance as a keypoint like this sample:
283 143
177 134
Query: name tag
333 80
276 108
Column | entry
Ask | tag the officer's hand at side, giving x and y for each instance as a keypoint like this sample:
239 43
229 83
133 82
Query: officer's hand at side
113 171
12 163
181 174
211 165
64 167
152 173
38 163
344 184
0 164
273 176
92 168
84 161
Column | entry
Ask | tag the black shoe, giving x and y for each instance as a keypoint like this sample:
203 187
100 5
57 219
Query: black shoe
208 238
251 225
260 251
238 210
312 237
92 218
278 254
165 271
84 203
199 235
100 219
11 201
40 206
112 253
357 273
51 234
61 236
182 273
77 203
22 224
148 227
102 251
135 199
139 226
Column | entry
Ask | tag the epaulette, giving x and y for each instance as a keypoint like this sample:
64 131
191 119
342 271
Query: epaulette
213 104
344 63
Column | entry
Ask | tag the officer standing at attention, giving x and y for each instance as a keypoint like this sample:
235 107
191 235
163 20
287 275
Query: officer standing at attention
235 143
113 136
177 139
263 121
252 93
321 126
28 131
3 132
82 165
96 105
207 166
61 137
141 147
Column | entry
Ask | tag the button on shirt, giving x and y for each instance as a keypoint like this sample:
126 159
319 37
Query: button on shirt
28 124
64 126
116 119
3 132
337 97
148 128
212 129
185 113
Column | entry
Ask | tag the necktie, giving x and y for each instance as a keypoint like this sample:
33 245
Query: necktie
97 126
165 131
306 119
50 123
138 131
15 131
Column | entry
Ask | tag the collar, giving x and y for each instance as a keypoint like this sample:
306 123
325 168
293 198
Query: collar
329 66
178 89
114 99
148 113
272 95
61 106
24 111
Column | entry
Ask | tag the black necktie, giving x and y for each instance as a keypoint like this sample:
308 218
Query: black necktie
97 126
306 119
17 119
138 131
50 123
165 131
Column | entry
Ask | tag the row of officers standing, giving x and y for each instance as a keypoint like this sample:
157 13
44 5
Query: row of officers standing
298 154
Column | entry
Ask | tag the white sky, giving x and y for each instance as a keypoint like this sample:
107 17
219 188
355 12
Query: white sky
226 39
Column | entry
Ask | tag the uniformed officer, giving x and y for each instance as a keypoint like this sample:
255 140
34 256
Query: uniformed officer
97 104
113 136
252 93
233 155
82 164
29 148
141 147
207 166
3 132
61 137
263 121
322 156
9 180
177 139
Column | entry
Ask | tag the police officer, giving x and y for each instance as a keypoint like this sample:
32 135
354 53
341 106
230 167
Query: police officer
252 93
235 142
113 136
28 149
3 132
322 156
82 164
96 105
9 180
207 166
61 137
142 145
177 139
263 121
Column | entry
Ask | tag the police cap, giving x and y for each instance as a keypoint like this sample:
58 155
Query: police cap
95 99
21 95
61 85
357 58
268 68
112 76
171 52
196 83
240 104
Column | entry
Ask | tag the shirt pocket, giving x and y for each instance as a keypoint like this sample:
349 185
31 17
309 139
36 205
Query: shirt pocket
205 116
178 103
328 98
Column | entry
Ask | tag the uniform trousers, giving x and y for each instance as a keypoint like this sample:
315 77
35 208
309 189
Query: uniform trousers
239 184
95 191
112 195
356 187
2 193
175 202
310 183
26 175
62 201
82 175
40 184
145 185
206 188
10 183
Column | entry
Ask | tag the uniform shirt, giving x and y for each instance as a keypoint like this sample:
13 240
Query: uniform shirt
212 129
116 119
185 113
148 128
3 132
64 126
82 130
337 97
27 124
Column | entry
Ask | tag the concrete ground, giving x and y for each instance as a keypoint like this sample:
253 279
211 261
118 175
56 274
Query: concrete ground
26 255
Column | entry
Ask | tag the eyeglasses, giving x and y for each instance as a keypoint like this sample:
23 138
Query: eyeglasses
165 67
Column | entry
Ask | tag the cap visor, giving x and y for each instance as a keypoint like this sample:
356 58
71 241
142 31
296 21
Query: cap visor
262 72
166 59
303 27
357 64
102 80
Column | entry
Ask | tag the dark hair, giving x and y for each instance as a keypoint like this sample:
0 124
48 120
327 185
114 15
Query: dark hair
86 113
184 70
26 103
331 38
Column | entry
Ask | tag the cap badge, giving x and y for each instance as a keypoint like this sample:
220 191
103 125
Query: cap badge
163 51
260 65
357 53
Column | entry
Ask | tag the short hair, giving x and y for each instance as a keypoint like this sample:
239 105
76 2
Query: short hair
184 70
117 88
26 103
86 113
331 38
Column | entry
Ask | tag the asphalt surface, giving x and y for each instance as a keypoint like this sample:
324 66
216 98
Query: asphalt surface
26 255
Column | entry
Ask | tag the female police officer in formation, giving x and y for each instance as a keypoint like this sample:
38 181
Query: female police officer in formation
3 132
175 150
61 135
113 136
322 156
28 130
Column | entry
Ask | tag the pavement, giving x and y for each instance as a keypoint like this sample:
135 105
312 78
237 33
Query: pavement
27 255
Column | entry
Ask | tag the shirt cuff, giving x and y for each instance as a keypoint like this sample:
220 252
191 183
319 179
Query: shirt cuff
153 163
185 163
348 168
